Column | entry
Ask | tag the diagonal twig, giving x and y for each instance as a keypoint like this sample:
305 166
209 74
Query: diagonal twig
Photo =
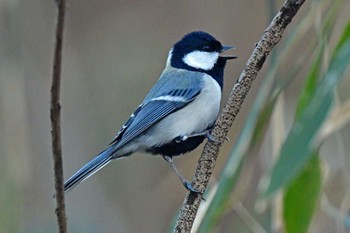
55 114
272 35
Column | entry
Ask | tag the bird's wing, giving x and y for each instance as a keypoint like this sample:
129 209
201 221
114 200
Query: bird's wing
150 113
144 117
159 104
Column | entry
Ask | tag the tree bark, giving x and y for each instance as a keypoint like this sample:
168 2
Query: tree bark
55 115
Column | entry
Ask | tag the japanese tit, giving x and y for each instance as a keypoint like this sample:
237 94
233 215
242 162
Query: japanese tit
178 112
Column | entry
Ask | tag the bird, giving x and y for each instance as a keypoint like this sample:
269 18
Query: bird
179 111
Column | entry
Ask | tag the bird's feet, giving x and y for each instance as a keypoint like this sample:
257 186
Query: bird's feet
189 187
211 138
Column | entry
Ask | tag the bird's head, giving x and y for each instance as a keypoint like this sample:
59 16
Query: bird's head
198 51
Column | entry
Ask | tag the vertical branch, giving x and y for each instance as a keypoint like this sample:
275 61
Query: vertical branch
272 35
55 114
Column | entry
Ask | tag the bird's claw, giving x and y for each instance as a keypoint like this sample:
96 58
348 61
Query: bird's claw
211 138
190 188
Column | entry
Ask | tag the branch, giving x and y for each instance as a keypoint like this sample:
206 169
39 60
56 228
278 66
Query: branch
272 35
55 114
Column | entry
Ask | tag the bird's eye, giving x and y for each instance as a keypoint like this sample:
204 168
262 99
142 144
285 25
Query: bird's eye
206 48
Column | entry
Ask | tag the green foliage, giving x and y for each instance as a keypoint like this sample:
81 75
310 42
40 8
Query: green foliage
296 151
298 167
300 198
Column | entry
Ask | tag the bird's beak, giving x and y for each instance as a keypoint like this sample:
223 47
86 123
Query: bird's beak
227 47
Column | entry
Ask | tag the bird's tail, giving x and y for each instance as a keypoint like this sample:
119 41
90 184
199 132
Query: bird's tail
89 169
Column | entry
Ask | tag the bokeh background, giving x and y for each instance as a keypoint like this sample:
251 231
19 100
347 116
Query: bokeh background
113 53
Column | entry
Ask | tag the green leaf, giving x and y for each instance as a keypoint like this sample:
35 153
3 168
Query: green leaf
255 126
296 150
343 39
301 197
311 84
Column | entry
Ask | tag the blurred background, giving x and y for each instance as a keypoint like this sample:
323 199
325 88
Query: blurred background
114 51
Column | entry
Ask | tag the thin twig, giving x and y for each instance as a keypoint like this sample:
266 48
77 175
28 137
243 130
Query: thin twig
55 114
206 163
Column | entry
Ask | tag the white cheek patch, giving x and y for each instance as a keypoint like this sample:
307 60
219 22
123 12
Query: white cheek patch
201 60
